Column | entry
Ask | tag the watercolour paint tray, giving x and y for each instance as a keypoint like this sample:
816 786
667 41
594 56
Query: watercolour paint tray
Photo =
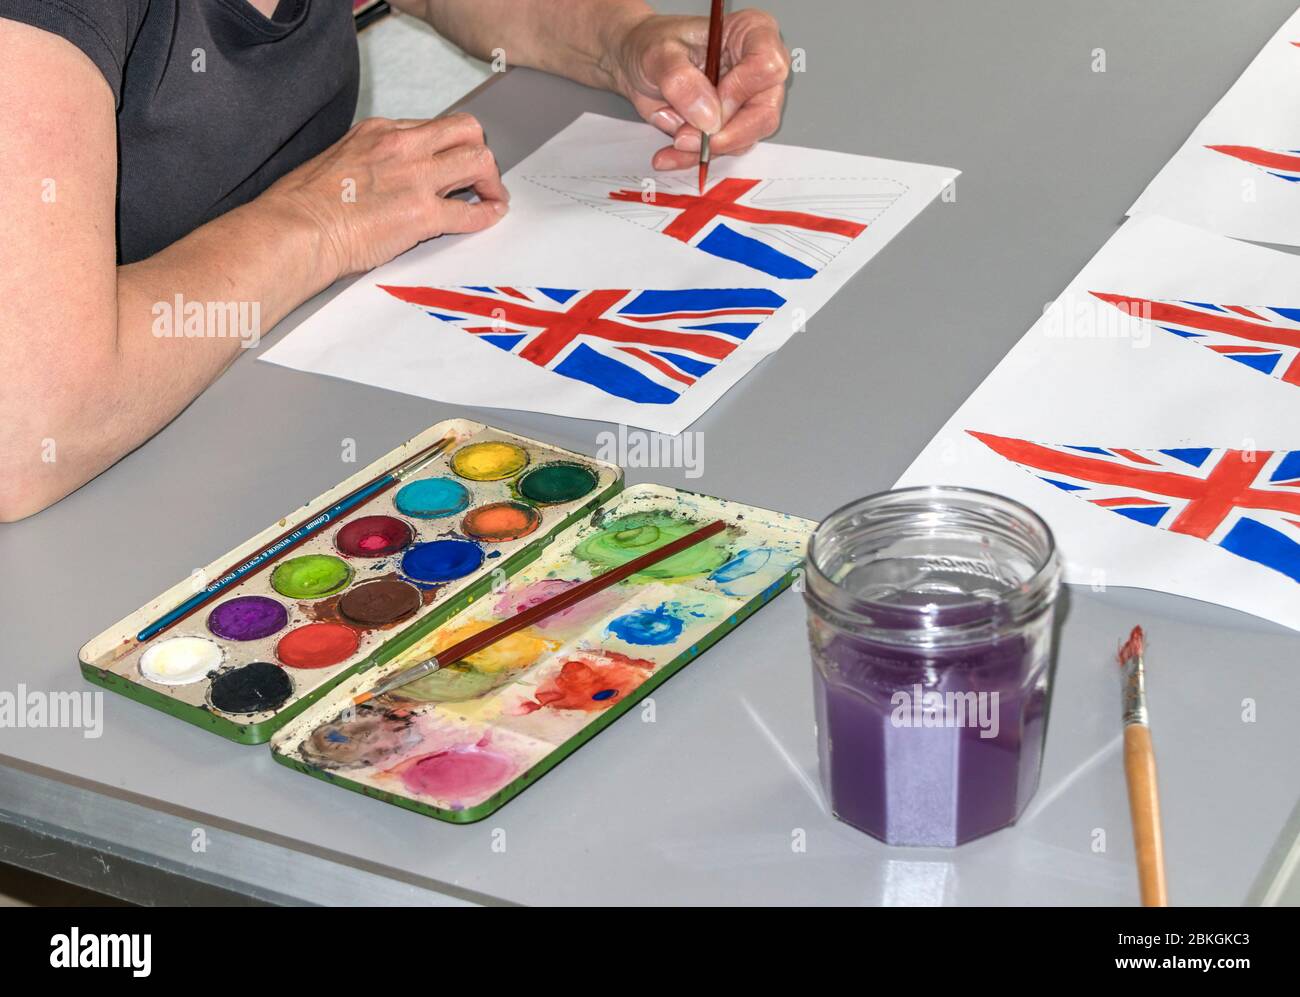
263 650
459 743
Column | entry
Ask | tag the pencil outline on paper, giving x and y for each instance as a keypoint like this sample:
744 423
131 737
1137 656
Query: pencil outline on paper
790 235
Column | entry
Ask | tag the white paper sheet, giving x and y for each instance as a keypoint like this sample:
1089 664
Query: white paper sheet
1239 172
1160 440
676 309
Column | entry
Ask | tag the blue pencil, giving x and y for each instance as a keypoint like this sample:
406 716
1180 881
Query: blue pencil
291 539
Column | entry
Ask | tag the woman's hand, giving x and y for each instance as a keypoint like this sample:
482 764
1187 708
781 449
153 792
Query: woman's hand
385 186
658 66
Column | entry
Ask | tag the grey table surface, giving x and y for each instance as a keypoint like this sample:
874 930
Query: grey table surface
710 803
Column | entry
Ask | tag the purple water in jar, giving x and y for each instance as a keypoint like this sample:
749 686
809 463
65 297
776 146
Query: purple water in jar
930 614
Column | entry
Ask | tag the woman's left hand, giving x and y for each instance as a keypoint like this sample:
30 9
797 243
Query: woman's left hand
658 66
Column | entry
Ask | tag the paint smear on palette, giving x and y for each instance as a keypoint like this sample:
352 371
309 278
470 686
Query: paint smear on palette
575 619
653 627
478 674
361 738
628 537
462 774
589 681
751 572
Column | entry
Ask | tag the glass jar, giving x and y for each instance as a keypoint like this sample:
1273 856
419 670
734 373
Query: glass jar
930 619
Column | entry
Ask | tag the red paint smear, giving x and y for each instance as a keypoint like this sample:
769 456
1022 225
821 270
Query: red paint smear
586 612
465 771
317 645
1238 348
591 682
1266 158
1134 646
698 211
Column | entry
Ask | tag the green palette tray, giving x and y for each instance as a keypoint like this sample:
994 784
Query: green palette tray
460 743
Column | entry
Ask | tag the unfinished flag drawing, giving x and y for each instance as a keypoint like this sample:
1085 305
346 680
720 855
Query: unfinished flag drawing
789 229
646 346
1281 163
1264 339
1247 502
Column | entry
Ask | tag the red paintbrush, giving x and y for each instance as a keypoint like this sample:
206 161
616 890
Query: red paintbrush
712 67
549 607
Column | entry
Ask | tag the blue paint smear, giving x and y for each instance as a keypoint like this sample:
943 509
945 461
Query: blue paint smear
731 245
647 626
1288 468
1265 545
1066 485
750 571
557 294
1149 514
507 343
701 299
585 364
1189 455
740 330
441 560
1263 362
743 564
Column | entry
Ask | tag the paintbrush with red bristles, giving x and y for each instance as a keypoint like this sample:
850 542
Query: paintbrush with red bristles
1140 773
712 69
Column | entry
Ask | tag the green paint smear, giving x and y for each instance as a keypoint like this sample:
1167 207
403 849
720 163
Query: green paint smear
454 684
624 539
555 483
311 576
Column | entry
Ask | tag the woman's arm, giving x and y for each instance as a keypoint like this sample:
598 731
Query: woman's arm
655 61
84 375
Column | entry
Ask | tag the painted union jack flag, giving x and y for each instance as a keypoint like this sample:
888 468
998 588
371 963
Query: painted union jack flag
1247 502
645 346
1264 339
1281 163
786 228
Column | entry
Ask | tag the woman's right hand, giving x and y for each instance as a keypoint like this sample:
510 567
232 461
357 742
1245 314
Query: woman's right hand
385 186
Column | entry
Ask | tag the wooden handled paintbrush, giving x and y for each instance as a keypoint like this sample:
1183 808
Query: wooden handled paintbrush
1140 772
712 69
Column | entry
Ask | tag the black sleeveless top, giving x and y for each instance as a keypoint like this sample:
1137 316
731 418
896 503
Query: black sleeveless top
215 101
